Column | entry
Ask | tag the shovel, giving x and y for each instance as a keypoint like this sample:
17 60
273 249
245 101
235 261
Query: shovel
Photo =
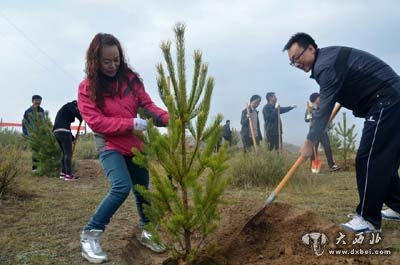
316 163
253 137
285 179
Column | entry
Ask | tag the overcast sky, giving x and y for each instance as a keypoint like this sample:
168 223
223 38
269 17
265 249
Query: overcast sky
43 45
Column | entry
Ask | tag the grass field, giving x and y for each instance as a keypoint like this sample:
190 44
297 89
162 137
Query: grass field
42 225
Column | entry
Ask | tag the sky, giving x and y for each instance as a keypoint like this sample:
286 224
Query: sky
43 45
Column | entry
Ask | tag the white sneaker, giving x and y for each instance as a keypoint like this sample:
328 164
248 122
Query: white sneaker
91 249
147 239
359 225
389 214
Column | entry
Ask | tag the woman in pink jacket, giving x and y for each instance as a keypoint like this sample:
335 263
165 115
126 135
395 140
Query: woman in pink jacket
108 100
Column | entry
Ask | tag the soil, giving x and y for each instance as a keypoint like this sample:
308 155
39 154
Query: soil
273 237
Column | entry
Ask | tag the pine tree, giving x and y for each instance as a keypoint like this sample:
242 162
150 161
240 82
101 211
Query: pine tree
45 148
334 139
190 212
347 140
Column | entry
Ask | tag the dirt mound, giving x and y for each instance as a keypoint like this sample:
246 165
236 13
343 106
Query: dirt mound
274 237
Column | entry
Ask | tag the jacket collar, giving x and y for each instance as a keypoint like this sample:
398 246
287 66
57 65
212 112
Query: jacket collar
313 66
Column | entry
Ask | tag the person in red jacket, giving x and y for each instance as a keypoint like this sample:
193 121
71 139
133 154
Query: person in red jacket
108 100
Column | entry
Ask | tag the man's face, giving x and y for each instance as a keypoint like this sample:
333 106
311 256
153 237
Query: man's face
302 58
316 102
273 100
36 102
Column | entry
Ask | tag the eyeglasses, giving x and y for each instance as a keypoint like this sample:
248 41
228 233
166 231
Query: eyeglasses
295 60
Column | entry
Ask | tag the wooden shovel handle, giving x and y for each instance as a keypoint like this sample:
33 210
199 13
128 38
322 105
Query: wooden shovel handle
289 174
251 128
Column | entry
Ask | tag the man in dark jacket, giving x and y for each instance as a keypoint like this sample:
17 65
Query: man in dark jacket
371 89
33 112
30 115
62 131
244 121
226 132
271 120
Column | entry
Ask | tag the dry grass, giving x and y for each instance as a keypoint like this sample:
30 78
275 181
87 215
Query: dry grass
43 226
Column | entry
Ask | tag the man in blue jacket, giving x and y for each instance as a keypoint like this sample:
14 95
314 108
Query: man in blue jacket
32 113
370 88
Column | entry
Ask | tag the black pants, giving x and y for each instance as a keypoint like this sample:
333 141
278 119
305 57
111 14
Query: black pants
324 140
64 139
273 141
248 143
35 161
377 163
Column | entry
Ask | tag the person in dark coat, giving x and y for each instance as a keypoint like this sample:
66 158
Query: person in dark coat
244 121
271 120
32 113
370 88
227 132
62 132
324 140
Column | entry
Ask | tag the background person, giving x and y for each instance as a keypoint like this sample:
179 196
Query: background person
244 121
272 121
324 139
62 132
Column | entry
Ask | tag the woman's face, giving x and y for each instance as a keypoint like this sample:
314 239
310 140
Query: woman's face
109 60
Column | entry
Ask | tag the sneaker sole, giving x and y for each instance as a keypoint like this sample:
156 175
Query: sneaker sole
152 248
92 260
396 219
365 231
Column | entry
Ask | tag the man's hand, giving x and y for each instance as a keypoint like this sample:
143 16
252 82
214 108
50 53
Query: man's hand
293 106
139 124
307 149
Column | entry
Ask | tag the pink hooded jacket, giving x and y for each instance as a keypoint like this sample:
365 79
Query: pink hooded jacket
114 121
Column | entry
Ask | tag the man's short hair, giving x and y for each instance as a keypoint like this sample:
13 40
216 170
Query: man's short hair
36 97
255 97
313 97
228 121
302 39
269 95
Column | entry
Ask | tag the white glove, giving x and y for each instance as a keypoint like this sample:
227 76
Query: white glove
294 106
139 124
277 105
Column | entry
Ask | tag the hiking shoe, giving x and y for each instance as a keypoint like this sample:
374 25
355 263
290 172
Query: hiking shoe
389 214
91 249
359 225
62 175
70 177
335 168
147 240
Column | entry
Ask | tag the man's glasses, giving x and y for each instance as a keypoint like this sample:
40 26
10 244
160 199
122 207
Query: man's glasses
295 60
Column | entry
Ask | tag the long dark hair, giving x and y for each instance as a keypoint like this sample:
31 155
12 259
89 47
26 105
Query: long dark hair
98 85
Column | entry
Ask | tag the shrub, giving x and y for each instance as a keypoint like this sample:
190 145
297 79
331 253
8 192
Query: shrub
85 148
12 138
45 149
260 168
11 167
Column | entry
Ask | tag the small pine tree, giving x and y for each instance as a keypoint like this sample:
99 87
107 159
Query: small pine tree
347 140
235 137
45 148
334 139
189 214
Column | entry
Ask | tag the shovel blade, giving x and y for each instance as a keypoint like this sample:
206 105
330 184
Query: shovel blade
316 166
